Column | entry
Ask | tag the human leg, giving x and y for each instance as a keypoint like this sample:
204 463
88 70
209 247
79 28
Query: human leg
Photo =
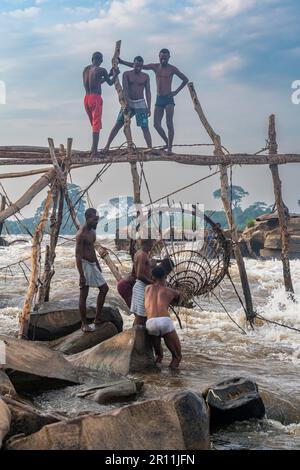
173 344
100 302
158 115
170 125
82 309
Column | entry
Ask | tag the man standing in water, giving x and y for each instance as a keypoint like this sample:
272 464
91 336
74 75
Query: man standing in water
142 269
93 77
164 73
89 269
135 83
158 298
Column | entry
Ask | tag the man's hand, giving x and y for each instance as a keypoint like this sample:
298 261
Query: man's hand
173 93
115 71
149 112
82 281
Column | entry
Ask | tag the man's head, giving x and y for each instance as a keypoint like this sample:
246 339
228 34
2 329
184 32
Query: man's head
97 58
138 62
91 218
146 244
167 265
158 274
164 57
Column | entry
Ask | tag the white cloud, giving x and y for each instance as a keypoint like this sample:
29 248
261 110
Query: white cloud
78 10
220 69
226 8
22 13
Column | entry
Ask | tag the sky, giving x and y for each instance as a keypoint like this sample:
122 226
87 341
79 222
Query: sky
241 55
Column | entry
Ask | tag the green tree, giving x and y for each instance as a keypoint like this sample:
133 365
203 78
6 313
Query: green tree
236 193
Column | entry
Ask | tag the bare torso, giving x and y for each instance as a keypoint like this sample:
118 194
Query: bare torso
164 76
92 76
142 266
158 299
136 84
87 239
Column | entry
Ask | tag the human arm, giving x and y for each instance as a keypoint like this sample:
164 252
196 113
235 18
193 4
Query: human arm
145 66
106 76
79 256
125 85
148 96
175 297
183 83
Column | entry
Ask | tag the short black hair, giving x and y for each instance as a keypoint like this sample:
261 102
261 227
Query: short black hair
158 273
97 56
164 51
138 58
89 212
167 264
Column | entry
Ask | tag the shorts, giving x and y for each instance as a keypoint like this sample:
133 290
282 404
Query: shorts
141 117
94 105
93 277
138 299
124 288
159 326
163 101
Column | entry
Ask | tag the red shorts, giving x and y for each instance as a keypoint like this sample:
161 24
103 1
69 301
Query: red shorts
125 290
93 105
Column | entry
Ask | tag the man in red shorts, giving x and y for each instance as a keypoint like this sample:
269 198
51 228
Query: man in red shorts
93 77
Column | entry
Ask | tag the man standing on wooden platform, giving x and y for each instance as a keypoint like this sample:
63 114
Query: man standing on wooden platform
135 84
89 269
93 77
165 96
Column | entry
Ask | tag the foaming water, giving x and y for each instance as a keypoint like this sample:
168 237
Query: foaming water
214 348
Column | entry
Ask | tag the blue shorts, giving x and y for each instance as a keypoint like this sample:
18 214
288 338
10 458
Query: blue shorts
163 101
140 117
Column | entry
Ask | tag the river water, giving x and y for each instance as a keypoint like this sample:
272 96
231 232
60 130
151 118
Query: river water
214 349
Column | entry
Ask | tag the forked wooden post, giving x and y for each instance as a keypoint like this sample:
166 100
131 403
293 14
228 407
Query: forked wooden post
282 218
34 275
127 129
218 152
2 207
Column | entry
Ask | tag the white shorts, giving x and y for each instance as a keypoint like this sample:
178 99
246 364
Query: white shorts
159 326
138 299
93 276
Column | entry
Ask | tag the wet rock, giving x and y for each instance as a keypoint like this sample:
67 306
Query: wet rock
193 415
281 408
5 420
79 341
152 424
25 419
125 353
6 387
59 318
32 366
235 399
114 392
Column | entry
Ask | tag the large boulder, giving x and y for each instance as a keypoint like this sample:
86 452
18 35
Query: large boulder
233 400
32 366
152 424
193 415
114 392
6 387
5 420
79 341
25 419
59 318
281 407
125 353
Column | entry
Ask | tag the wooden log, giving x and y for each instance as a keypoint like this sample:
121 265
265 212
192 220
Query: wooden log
218 152
282 218
27 197
82 159
35 257
2 207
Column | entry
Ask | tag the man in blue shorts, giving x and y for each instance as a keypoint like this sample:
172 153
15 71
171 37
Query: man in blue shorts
135 84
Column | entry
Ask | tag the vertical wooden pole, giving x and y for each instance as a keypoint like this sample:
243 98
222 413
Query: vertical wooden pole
282 218
35 258
2 207
218 151
127 129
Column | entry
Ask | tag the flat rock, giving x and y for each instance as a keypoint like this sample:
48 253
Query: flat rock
118 391
6 387
5 420
34 366
148 425
79 341
233 400
193 414
125 353
55 319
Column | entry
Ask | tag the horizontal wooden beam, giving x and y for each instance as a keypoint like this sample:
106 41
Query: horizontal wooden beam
17 157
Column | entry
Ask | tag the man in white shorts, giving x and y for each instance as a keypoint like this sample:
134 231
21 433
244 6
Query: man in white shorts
89 269
158 298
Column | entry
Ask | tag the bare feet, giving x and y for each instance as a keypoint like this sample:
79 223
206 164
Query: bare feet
87 328
169 151
98 322
174 364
